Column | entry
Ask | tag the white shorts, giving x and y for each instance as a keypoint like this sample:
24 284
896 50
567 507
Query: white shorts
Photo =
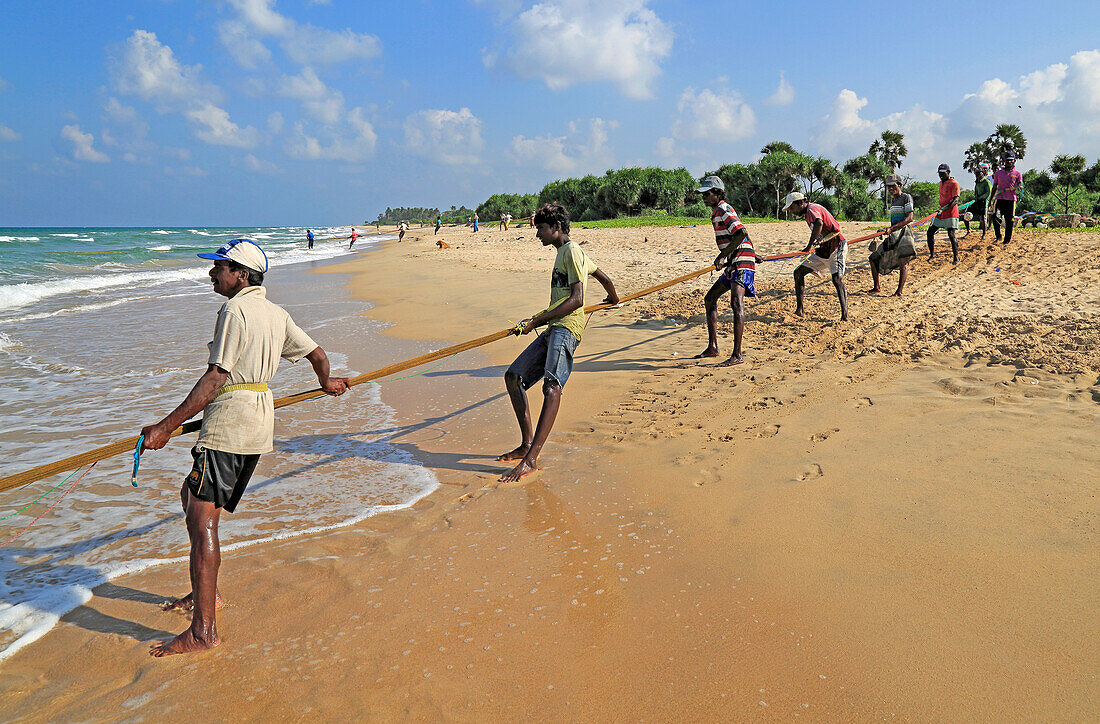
837 263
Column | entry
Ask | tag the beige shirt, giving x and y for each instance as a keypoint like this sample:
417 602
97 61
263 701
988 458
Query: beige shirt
250 337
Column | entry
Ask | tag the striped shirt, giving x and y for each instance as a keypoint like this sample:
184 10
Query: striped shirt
900 207
726 223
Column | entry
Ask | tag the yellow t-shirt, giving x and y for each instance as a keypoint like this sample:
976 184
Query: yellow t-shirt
250 337
571 265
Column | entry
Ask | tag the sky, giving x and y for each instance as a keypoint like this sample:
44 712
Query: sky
315 112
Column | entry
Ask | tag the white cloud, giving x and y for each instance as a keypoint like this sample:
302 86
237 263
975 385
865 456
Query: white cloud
275 123
8 135
304 44
82 145
565 42
449 137
148 69
573 153
713 115
257 165
354 143
242 45
212 125
318 100
1043 86
784 93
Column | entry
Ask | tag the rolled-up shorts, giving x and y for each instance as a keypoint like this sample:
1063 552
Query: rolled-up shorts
837 263
744 277
220 477
549 357
952 223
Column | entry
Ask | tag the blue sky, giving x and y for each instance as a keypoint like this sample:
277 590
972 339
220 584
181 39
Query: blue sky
258 112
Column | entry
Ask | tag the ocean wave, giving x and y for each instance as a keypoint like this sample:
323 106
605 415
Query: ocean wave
160 231
7 342
19 238
70 310
14 296
160 248
67 236
200 233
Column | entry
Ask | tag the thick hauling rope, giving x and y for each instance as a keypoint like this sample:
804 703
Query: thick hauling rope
127 445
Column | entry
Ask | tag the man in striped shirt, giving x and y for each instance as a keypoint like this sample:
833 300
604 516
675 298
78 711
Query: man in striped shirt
737 260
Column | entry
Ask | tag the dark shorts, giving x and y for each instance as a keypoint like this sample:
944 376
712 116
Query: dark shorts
219 477
744 277
549 357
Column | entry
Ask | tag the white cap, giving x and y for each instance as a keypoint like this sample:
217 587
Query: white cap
711 183
791 198
245 252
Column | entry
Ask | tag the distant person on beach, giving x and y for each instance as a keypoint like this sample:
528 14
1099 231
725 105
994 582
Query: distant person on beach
438 223
830 255
502 225
309 238
983 195
475 221
737 261
550 357
948 216
1007 183
401 229
250 336
532 219
898 248
353 237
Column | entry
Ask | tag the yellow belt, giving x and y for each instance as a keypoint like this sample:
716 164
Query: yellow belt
250 386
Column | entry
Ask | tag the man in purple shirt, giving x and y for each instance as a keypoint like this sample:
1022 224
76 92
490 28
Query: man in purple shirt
1007 183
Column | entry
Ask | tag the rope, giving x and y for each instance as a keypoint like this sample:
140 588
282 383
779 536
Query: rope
12 515
120 446
47 510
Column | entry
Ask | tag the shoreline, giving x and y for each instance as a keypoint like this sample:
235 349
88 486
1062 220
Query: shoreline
701 543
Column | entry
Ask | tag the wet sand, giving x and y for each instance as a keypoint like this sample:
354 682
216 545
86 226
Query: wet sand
893 517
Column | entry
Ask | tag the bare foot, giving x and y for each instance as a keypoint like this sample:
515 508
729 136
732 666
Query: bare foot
516 454
733 360
896 294
187 604
798 313
185 643
844 318
518 472
873 290
708 352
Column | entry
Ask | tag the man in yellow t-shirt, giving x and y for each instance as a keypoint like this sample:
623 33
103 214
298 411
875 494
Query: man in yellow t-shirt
550 357
238 418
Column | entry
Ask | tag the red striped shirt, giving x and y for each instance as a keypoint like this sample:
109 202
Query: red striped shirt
726 222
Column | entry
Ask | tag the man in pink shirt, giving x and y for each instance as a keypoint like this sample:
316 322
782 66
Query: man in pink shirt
831 254
948 217
1007 182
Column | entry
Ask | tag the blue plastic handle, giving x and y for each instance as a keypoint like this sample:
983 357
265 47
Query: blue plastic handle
137 460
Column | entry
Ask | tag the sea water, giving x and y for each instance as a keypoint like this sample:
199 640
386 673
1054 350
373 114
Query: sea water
103 331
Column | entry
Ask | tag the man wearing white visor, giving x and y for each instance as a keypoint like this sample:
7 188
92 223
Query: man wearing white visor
238 417
830 256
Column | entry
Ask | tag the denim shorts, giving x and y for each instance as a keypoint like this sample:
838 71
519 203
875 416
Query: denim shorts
549 357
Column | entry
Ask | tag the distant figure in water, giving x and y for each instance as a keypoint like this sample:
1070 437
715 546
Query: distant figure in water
309 238
353 237
737 260
550 357
250 336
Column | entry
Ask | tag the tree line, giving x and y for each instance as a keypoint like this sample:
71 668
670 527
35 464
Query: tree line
423 215
852 190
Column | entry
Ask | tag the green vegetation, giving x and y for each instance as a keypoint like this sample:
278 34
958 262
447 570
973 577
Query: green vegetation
852 190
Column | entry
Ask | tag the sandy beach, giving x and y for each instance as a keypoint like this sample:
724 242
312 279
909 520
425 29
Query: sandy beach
892 518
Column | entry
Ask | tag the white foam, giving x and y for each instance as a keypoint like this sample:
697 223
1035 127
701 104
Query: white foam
71 310
160 248
69 236
160 231
7 342
200 233
19 238
20 295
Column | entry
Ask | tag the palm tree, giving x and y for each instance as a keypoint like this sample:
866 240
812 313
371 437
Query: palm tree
1007 137
978 152
777 147
890 149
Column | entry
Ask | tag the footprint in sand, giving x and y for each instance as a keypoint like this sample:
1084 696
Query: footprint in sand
813 471
769 431
823 436
863 402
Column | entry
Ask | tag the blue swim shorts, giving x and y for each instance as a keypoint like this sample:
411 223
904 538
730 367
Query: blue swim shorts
744 277
549 357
